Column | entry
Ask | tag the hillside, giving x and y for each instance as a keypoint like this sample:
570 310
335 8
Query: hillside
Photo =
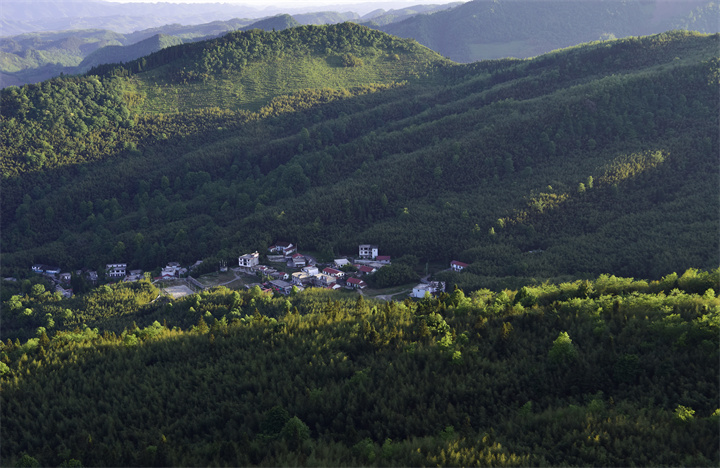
119 53
481 29
381 17
246 70
594 159
609 372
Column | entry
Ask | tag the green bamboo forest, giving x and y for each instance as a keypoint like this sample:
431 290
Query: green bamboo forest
580 187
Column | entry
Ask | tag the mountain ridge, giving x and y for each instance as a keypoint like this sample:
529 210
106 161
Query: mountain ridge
387 161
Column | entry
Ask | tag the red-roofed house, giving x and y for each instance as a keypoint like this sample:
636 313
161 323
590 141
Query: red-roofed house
383 258
299 260
334 272
366 270
458 266
356 283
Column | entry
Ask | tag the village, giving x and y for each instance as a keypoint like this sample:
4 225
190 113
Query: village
288 271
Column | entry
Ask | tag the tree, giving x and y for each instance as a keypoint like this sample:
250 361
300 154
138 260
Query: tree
37 290
562 349
295 432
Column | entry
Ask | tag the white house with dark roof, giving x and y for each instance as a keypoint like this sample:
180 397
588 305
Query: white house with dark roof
116 270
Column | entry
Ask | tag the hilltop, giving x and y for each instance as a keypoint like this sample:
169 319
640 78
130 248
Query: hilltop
592 159
245 70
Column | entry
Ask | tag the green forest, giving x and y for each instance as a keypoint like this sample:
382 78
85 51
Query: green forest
594 159
608 372
573 184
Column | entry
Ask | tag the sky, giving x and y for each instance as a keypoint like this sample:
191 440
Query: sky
302 3
265 3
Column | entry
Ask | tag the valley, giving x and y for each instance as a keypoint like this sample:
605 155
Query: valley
566 202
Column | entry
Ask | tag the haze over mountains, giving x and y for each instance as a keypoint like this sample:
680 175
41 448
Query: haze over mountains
467 32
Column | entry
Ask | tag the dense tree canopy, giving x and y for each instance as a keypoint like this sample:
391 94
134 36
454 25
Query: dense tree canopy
607 372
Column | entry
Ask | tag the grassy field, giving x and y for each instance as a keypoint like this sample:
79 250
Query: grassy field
258 83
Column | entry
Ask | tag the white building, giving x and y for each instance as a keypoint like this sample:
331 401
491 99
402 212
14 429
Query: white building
311 270
368 251
116 270
249 260
433 287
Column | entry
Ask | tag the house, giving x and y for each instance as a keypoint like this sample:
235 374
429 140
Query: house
249 260
285 248
368 251
301 278
45 269
92 276
333 272
356 283
116 270
366 270
341 262
65 277
323 280
433 287
281 275
458 266
310 270
298 260
171 270
334 287
282 286
384 259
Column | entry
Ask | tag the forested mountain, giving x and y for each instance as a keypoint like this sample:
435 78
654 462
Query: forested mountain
34 57
610 372
599 158
382 17
119 54
552 177
484 29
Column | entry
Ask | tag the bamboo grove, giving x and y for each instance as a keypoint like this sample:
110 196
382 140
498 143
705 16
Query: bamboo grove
607 372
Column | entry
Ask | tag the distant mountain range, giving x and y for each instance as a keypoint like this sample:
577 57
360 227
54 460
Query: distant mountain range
483 29
36 56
